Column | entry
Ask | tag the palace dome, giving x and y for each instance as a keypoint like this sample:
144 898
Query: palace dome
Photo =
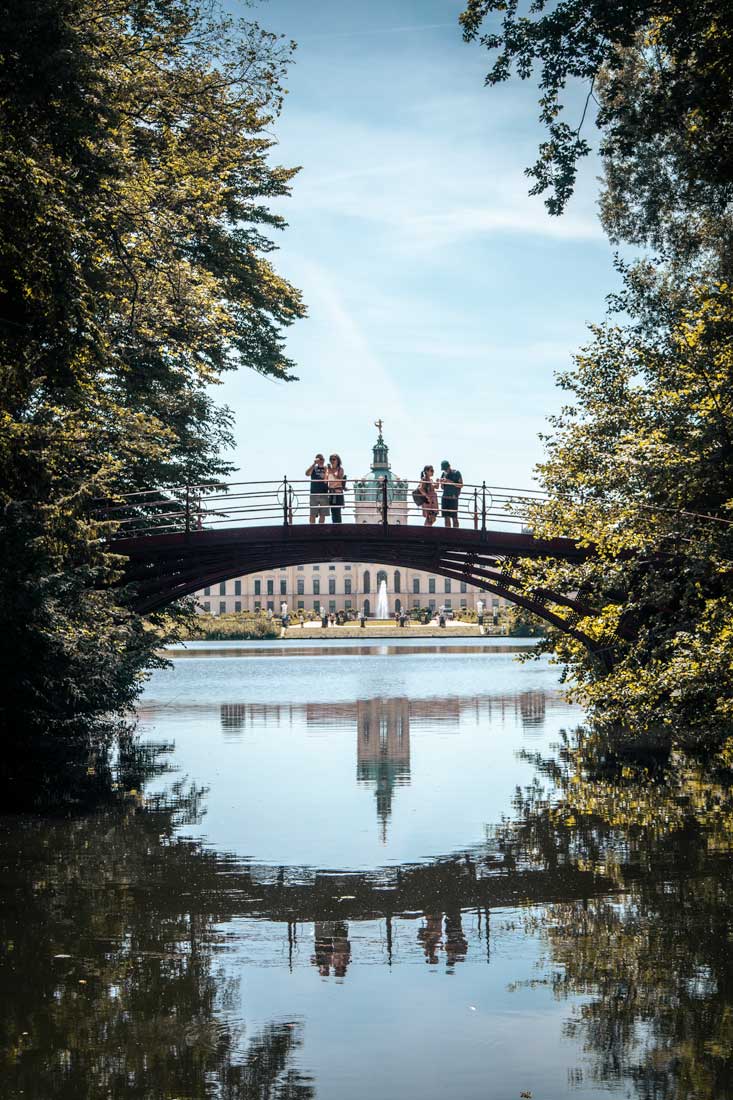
368 489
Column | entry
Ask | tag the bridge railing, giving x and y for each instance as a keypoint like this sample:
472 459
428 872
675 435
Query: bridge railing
209 505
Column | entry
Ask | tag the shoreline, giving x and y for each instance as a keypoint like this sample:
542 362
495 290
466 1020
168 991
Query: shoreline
354 632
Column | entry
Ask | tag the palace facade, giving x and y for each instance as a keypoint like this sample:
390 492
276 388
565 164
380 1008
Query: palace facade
344 586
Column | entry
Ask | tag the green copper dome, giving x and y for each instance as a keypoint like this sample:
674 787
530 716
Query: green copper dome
369 487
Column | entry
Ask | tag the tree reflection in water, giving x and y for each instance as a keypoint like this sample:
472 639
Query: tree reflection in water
108 972
651 960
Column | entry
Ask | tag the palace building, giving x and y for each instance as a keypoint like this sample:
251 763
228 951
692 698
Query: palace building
345 586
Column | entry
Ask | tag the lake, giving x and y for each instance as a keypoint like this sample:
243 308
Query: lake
339 873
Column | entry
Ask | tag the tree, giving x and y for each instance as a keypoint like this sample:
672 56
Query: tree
135 270
639 466
661 76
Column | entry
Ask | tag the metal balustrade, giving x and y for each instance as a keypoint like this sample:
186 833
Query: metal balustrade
206 506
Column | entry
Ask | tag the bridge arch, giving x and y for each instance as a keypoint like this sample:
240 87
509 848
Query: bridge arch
164 568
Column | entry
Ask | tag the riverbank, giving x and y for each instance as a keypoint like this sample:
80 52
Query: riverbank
239 627
416 630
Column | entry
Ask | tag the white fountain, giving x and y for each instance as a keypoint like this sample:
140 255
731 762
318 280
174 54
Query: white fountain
382 605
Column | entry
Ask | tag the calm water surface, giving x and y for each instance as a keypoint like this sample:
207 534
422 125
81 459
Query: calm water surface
342 878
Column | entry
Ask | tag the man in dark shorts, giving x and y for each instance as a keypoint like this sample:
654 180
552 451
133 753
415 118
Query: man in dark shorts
319 489
451 483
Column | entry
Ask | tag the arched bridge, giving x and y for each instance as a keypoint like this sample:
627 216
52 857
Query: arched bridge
177 541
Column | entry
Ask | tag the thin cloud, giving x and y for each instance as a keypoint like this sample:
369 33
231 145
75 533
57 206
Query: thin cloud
374 31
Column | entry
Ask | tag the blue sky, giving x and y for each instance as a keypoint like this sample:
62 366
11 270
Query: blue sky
441 297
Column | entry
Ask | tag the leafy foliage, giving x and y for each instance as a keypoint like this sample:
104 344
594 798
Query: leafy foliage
135 175
640 466
661 76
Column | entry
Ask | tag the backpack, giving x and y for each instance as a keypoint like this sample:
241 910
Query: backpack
419 497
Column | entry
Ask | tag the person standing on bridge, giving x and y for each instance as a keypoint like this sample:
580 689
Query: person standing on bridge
451 482
319 489
430 498
336 479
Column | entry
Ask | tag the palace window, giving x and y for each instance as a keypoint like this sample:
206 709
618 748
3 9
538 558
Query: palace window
464 603
301 605
367 581
207 591
347 585
332 606
316 568
416 585
300 585
301 568
347 604
431 605
283 588
206 605
332 586
397 581
398 605
223 588
222 607
237 605
447 585
270 588
332 568
316 605
258 605
316 586
431 587
347 568
237 588
258 588
367 607
464 586
448 604
270 605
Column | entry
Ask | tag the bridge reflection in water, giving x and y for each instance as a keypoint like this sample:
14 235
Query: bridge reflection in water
434 911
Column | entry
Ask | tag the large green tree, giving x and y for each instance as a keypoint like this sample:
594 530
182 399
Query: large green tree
640 462
135 175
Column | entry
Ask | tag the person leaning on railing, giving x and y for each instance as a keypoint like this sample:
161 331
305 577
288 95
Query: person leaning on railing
336 480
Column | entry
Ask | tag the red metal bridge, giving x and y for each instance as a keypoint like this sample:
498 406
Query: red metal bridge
179 540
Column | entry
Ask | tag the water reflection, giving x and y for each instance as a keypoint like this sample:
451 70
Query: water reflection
529 707
573 942
333 950
652 958
109 977
382 729
383 751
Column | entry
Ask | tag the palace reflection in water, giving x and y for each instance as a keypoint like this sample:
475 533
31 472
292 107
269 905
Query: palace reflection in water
549 950
382 728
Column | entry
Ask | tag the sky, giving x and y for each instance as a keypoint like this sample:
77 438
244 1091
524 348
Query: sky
441 297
